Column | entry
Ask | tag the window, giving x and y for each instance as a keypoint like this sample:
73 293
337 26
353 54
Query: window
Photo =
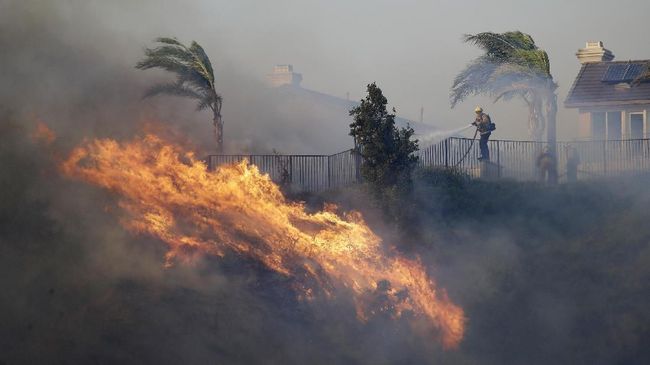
598 125
606 125
636 125
614 126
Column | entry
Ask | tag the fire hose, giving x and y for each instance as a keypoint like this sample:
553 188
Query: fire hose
468 149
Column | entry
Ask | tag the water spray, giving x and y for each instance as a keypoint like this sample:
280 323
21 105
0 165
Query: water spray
432 138
435 137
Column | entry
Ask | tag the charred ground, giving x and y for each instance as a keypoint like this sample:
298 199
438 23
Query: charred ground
545 275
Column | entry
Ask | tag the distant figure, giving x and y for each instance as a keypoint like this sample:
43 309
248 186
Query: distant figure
546 165
282 165
572 163
485 127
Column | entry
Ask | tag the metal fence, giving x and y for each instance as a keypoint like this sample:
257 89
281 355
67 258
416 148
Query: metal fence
516 160
302 173
519 159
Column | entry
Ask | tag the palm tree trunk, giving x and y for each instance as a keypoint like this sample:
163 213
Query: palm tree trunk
551 132
218 131
535 120
532 120
541 121
537 123
534 131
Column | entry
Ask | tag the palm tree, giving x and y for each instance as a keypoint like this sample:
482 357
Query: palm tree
512 66
194 77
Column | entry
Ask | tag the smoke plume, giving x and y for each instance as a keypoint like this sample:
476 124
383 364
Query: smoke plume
544 275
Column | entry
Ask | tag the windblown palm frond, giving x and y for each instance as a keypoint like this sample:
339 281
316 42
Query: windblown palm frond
512 66
205 101
507 95
194 73
473 80
201 62
172 88
194 76
501 46
513 48
511 61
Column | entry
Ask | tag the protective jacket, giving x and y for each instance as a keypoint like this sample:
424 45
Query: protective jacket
545 160
483 123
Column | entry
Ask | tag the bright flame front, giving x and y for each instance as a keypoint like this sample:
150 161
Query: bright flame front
171 195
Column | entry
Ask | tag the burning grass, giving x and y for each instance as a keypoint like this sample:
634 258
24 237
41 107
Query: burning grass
169 194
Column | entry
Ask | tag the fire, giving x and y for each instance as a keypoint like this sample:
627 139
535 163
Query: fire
170 194
43 134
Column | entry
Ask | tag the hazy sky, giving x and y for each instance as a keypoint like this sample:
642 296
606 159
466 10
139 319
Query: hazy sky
413 49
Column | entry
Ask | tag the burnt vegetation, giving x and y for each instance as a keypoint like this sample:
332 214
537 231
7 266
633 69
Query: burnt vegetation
546 275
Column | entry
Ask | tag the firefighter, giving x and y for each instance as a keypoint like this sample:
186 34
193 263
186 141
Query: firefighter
546 165
485 127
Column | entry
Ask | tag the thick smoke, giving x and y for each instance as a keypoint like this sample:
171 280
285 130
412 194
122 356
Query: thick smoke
81 290
554 276
72 64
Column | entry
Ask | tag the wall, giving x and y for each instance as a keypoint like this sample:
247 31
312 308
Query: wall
585 124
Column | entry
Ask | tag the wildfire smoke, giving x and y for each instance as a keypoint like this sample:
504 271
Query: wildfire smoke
170 194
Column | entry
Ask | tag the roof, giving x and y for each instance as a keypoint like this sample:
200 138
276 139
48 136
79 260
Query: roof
607 83
343 106
306 122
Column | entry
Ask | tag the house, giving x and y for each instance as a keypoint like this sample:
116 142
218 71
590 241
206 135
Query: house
612 97
309 121
284 75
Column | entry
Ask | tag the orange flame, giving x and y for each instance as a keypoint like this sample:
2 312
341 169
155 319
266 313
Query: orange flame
43 134
171 195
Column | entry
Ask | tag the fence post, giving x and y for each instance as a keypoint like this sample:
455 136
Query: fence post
446 152
329 172
291 170
604 157
357 168
498 161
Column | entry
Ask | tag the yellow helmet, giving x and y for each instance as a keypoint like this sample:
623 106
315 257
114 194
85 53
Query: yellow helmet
478 110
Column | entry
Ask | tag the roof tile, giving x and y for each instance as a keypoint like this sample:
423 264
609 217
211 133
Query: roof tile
588 89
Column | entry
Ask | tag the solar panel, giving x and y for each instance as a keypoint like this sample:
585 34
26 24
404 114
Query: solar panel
623 72
615 73
634 70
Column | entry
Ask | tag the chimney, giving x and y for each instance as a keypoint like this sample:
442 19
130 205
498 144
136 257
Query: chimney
594 52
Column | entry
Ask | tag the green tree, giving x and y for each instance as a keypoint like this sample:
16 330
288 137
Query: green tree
386 151
194 77
512 66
